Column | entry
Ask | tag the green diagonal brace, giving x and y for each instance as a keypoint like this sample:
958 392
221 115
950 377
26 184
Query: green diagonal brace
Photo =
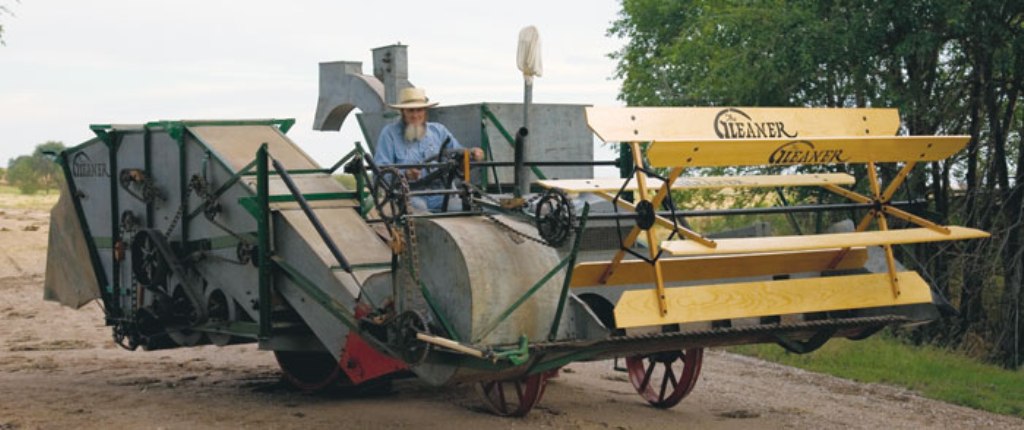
508 137
523 299
568 273
223 188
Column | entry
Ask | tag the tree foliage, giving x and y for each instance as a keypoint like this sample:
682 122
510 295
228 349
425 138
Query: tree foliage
35 172
950 66
4 10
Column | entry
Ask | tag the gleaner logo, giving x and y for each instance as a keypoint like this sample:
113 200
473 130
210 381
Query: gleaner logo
735 124
803 152
82 166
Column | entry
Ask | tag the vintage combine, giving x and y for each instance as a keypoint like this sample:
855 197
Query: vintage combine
207 232
226 232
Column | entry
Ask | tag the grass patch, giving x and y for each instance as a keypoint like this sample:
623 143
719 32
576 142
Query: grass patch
934 373
43 200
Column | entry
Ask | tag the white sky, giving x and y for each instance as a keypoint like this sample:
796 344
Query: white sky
68 64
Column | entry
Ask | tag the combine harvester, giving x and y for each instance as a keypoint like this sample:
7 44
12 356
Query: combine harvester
205 232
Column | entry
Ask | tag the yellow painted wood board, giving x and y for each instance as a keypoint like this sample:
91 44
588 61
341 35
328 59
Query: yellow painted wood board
717 267
703 182
645 124
809 150
754 245
638 308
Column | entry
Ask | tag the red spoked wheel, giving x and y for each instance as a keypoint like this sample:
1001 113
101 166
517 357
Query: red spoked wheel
514 398
309 371
665 378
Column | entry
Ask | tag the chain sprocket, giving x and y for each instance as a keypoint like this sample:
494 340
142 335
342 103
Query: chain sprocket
555 217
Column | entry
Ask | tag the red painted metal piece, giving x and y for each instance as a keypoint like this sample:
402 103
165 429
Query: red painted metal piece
361 362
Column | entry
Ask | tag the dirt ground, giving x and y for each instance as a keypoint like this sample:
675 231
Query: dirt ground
60 369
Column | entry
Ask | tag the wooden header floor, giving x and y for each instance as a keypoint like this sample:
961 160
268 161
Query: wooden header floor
646 124
814 150
702 182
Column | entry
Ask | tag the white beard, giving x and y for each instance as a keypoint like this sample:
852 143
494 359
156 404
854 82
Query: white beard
414 132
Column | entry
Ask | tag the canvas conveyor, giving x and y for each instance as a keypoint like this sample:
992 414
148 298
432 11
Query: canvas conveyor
224 232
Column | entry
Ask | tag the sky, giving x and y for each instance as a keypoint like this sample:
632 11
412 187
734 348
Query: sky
68 64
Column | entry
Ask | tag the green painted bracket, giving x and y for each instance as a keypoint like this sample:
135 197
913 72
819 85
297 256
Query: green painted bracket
516 356
102 131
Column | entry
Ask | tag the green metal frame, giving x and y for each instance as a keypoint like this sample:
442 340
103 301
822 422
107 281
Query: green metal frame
259 207
94 255
234 328
298 171
176 128
263 233
252 205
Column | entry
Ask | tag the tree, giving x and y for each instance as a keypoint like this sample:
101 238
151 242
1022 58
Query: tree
21 172
48 170
951 67
4 10
31 173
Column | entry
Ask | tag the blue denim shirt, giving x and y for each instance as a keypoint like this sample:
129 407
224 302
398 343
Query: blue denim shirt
393 149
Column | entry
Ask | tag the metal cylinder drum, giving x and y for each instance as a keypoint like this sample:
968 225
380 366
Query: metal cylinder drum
475 270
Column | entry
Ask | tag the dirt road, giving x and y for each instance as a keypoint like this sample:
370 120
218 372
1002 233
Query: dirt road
60 369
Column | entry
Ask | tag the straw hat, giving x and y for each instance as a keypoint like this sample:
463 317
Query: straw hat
412 98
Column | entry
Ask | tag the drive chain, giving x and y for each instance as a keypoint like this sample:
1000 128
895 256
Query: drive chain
179 213
513 230
530 202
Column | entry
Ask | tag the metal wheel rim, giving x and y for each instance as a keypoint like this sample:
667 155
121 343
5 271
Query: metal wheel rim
308 371
513 398
663 379
219 309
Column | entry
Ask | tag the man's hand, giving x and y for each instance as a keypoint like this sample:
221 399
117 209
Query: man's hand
476 154
412 174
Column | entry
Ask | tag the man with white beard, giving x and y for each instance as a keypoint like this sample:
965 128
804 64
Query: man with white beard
413 140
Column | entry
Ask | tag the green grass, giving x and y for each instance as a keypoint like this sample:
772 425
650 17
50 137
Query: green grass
933 372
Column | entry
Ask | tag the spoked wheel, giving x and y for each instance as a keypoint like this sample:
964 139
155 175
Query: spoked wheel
665 378
388 188
309 371
513 398
148 264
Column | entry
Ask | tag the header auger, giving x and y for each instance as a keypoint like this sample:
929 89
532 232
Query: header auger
225 232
